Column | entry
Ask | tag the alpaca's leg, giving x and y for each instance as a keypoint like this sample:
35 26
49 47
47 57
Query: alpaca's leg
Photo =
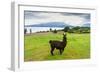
52 49
60 51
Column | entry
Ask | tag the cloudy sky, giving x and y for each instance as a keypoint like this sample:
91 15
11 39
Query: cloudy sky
75 19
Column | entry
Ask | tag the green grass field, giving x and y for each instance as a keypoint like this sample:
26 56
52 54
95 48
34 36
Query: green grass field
37 47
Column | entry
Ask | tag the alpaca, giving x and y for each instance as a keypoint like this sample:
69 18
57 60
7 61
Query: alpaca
60 45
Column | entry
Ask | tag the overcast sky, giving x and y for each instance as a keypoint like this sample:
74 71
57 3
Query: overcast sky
75 19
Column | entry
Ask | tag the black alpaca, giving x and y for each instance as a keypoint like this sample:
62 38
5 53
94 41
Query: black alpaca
60 45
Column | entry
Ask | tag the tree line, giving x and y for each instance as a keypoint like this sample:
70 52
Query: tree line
76 29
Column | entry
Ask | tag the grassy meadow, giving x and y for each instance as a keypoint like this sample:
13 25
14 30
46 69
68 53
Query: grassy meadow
37 47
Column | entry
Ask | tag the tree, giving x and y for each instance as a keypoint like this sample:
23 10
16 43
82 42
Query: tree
55 31
66 29
50 29
71 31
30 31
76 28
25 31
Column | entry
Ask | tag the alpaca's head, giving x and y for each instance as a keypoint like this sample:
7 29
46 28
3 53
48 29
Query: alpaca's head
64 34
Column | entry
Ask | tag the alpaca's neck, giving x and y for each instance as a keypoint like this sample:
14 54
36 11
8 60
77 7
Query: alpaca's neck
64 39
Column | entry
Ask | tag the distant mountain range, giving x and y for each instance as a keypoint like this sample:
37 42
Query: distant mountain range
55 24
49 24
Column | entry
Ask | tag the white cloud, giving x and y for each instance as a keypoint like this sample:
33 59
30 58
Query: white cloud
43 17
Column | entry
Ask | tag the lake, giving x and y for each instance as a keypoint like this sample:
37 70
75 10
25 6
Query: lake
38 29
